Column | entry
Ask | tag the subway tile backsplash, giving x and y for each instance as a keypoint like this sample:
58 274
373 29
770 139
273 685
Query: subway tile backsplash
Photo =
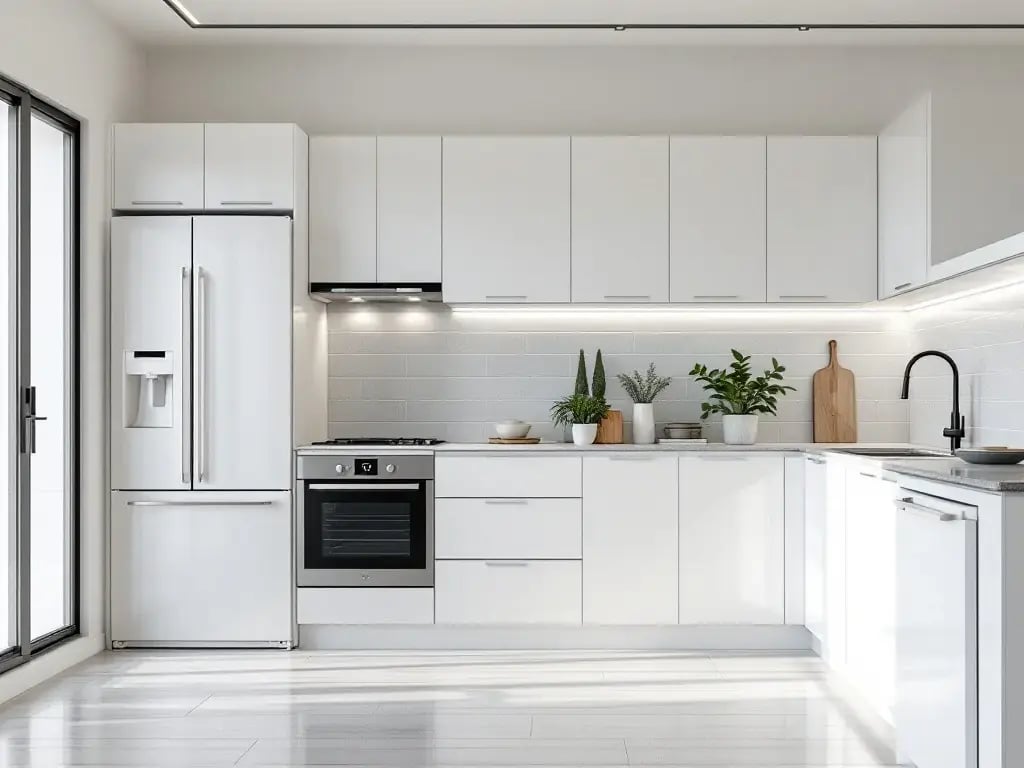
434 372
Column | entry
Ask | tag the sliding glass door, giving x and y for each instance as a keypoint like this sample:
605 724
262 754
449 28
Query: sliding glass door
38 376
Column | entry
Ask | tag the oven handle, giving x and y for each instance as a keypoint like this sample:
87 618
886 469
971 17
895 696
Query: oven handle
363 486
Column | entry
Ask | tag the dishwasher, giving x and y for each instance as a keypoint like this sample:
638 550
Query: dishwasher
936 712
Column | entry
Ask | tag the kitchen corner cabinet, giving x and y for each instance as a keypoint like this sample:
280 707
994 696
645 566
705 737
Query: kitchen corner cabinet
620 219
822 219
630 539
718 210
250 166
343 209
731 539
506 219
158 167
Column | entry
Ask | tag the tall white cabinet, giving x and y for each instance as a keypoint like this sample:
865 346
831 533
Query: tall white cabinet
506 219
620 219
822 219
718 213
630 539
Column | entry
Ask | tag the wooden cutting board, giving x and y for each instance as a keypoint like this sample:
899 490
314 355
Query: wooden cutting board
835 402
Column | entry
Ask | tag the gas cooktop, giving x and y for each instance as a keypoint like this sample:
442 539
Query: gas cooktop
395 441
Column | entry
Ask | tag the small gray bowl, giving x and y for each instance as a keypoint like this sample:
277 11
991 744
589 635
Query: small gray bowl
992 454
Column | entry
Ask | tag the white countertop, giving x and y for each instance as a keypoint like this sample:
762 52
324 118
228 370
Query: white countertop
553 447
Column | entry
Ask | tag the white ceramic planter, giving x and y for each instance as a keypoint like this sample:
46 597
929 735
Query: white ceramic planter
740 430
584 434
643 423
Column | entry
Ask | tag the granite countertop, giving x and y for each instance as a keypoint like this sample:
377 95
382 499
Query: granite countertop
998 479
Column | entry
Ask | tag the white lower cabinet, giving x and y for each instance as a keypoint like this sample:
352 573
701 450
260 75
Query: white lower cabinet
834 649
815 480
630 539
731 539
535 529
329 605
508 592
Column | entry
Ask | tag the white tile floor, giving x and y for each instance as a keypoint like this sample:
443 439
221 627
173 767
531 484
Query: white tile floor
412 710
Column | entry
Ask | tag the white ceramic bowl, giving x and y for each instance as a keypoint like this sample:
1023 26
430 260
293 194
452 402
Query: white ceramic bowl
512 428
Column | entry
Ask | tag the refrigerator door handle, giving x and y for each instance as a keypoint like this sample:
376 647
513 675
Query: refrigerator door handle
186 376
201 366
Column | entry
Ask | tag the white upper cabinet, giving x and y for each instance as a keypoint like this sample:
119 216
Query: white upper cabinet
731 539
822 219
158 167
506 219
903 201
620 219
343 209
630 539
718 210
409 209
250 166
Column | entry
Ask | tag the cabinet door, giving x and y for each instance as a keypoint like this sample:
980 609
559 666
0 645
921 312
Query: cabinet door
242 393
343 209
718 219
903 196
200 568
620 219
158 167
822 219
835 563
814 546
507 592
630 539
250 166
506 220
409 209
731 539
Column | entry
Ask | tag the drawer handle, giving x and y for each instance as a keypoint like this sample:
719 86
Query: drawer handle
630 458
157 202
868 474
715 296
802 296
901 286
626 297
505 501
506 563
815 461
505 297
246 202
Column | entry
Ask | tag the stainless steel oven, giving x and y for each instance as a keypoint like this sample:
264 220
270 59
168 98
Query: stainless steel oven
365 521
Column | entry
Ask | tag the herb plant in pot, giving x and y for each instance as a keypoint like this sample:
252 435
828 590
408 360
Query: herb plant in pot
740 396
583 413
642 389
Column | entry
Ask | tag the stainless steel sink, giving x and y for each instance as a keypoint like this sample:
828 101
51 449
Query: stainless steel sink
894 453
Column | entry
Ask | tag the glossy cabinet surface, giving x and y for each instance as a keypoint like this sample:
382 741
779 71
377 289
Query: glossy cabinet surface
250 166
158 166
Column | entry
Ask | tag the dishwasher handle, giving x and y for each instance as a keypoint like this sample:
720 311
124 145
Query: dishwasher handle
908 504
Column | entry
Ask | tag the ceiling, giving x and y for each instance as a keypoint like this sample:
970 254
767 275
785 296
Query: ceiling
582 22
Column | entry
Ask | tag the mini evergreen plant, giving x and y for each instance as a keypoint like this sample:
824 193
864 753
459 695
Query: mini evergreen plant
600 385
581 387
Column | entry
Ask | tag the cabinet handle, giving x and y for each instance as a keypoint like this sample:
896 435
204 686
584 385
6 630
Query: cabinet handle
157 202
802 296
363 486
626 297
506 563
908 505
200 503
201 365
186 374
901 286
713 296
813 460
508 297
506 501
868 474
630 458
246 202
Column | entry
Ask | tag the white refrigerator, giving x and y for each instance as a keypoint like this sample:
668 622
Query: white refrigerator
201 431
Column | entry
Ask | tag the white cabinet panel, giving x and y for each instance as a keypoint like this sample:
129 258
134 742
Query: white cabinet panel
508 592
815 501
834 650
731 540
506 219
250 166
531 529
362 605
158 166
620 219
718 219
200 567
630 539
409 209
507 476
903 201
822 219
242 397
343 209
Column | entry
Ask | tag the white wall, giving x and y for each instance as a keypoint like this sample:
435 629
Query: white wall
585 90
66 52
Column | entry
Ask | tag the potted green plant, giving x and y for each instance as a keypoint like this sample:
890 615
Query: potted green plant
642 389
740 396
582 412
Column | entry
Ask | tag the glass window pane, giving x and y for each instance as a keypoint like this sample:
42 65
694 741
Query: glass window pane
52 540
8 553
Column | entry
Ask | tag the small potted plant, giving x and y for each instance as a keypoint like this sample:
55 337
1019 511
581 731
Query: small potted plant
583 413
610 428
642 389
740 397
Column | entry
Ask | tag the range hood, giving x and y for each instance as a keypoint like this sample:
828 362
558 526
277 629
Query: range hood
378 292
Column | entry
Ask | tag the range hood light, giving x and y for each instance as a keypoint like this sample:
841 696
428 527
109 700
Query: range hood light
376 292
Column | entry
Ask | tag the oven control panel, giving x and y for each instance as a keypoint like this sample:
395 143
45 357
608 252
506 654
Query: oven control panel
404 467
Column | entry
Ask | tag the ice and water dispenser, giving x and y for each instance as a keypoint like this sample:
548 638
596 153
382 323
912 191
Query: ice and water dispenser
148 388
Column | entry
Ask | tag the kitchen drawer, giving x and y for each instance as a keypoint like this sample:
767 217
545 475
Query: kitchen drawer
509 592
528 529
358 605
508 476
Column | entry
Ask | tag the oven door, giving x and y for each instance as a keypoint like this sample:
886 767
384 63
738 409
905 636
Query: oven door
366 534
